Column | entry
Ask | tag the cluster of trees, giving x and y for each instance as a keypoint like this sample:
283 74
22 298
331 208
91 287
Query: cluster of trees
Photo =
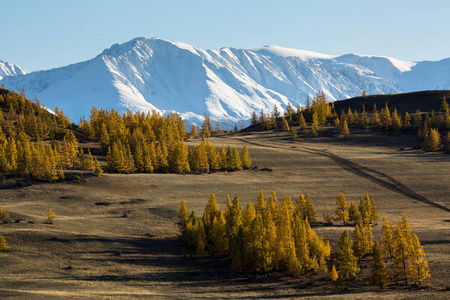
270 236
29 144
316 112
27 140
365 213
45 161
427 126
154 143
399 257
261 238
319 112
20 115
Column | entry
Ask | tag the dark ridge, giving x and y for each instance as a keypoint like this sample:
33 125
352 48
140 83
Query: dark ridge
425 101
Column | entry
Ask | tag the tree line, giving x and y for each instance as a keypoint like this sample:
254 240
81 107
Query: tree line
38 144
272 237
432 129
155 143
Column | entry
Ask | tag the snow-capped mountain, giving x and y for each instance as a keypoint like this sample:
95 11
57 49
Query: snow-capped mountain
228 84
9 69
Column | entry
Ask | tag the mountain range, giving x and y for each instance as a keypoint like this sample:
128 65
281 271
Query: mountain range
228 84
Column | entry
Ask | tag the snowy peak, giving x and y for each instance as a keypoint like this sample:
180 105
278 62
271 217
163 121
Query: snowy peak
371 62
228 84
9 69
273 50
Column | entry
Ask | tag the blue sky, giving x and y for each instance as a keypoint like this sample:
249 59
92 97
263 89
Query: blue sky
46 34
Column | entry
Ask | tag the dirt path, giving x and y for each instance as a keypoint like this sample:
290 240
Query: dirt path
375 176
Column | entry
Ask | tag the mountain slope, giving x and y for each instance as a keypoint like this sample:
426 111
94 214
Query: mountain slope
9 69
228 84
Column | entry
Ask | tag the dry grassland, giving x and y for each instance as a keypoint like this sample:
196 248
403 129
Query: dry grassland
129 248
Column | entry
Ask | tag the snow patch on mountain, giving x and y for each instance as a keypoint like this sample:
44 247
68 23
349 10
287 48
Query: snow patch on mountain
272 50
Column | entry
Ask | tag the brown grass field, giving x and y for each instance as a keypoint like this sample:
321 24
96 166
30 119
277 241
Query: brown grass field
129 248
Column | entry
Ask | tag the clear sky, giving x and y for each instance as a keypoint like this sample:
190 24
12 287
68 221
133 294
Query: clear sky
53 33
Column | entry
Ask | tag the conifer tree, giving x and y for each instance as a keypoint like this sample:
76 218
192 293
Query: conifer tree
353 213
418 268
194 131
285 125
334 274
342 208
183 215
387 238
98 171
218 130
260 203
245 158
367 235
201 241
50 216
358 243
364 122
380 275
254 120
386 119
4 213
3 244
235 163
407 121
432 141
345 129
219 241
401 254
345 258
302 123
314 123
417 120
293 264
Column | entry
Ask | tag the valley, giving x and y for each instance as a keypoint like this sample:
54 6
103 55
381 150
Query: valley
116 236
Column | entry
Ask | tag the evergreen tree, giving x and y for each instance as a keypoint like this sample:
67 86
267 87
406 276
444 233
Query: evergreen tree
254 120
364 122
98 171
380 275
194 131
345 259
342 208
285 125
358 243
345 129
387 238
432 141
183 215
334 274
418 268
245 158
353 213
3 244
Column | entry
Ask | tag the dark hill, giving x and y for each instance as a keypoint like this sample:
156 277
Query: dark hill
425 101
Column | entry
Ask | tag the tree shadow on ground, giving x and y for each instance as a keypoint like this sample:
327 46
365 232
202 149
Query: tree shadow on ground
169 261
